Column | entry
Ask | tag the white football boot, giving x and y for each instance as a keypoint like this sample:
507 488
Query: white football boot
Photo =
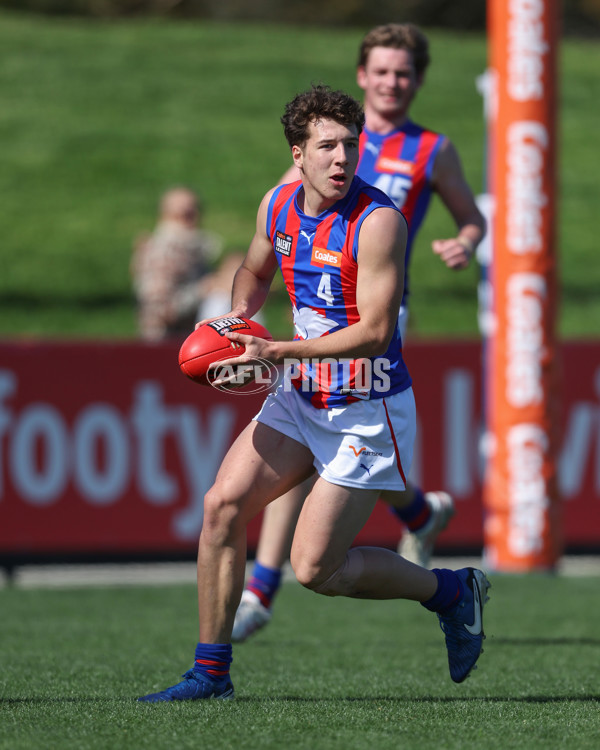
251 616
418 546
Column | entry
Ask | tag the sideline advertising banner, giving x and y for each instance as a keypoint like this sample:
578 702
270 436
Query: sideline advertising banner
107 449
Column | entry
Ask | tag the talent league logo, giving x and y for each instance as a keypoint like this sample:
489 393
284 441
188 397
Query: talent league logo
283 243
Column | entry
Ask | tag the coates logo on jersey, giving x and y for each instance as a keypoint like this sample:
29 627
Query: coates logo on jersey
394 166
321 256
283 243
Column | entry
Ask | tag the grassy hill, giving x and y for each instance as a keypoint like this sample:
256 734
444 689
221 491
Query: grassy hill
98 118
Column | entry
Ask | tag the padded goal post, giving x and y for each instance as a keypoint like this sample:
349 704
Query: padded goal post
522 519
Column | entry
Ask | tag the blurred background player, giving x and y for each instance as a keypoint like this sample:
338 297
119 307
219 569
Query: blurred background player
408 162
170 268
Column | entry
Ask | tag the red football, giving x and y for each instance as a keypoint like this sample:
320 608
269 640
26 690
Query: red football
208 344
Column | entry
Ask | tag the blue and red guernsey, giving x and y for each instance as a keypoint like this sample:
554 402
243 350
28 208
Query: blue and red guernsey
318 260
401 163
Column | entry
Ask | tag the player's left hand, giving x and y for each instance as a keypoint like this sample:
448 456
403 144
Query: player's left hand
230 314
456 252
253 348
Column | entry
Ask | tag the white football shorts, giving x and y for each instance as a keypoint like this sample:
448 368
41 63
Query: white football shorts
366 444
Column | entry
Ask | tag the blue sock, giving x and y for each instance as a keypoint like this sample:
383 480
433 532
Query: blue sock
264 583
449 591
212 660
415 515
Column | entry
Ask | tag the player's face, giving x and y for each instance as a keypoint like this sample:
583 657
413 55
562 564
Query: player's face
327 161
389 80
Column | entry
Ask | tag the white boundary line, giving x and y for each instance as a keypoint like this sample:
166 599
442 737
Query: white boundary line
161 573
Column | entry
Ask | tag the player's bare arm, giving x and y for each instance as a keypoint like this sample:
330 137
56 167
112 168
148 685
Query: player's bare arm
253 278
380 279
379 285
449 182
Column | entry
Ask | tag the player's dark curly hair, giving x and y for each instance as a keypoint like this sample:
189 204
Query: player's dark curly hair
397 36
319 102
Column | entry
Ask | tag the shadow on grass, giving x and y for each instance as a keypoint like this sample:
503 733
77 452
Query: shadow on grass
544 641
403 699
430 699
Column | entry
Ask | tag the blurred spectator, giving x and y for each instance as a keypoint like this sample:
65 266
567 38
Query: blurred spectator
171 267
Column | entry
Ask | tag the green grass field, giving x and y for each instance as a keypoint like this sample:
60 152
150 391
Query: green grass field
327 673
98 118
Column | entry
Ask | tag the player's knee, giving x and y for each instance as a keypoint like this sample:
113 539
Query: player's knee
309 574
339 582
222 519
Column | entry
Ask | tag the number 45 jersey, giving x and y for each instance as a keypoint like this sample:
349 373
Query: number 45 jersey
318 260
401 164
